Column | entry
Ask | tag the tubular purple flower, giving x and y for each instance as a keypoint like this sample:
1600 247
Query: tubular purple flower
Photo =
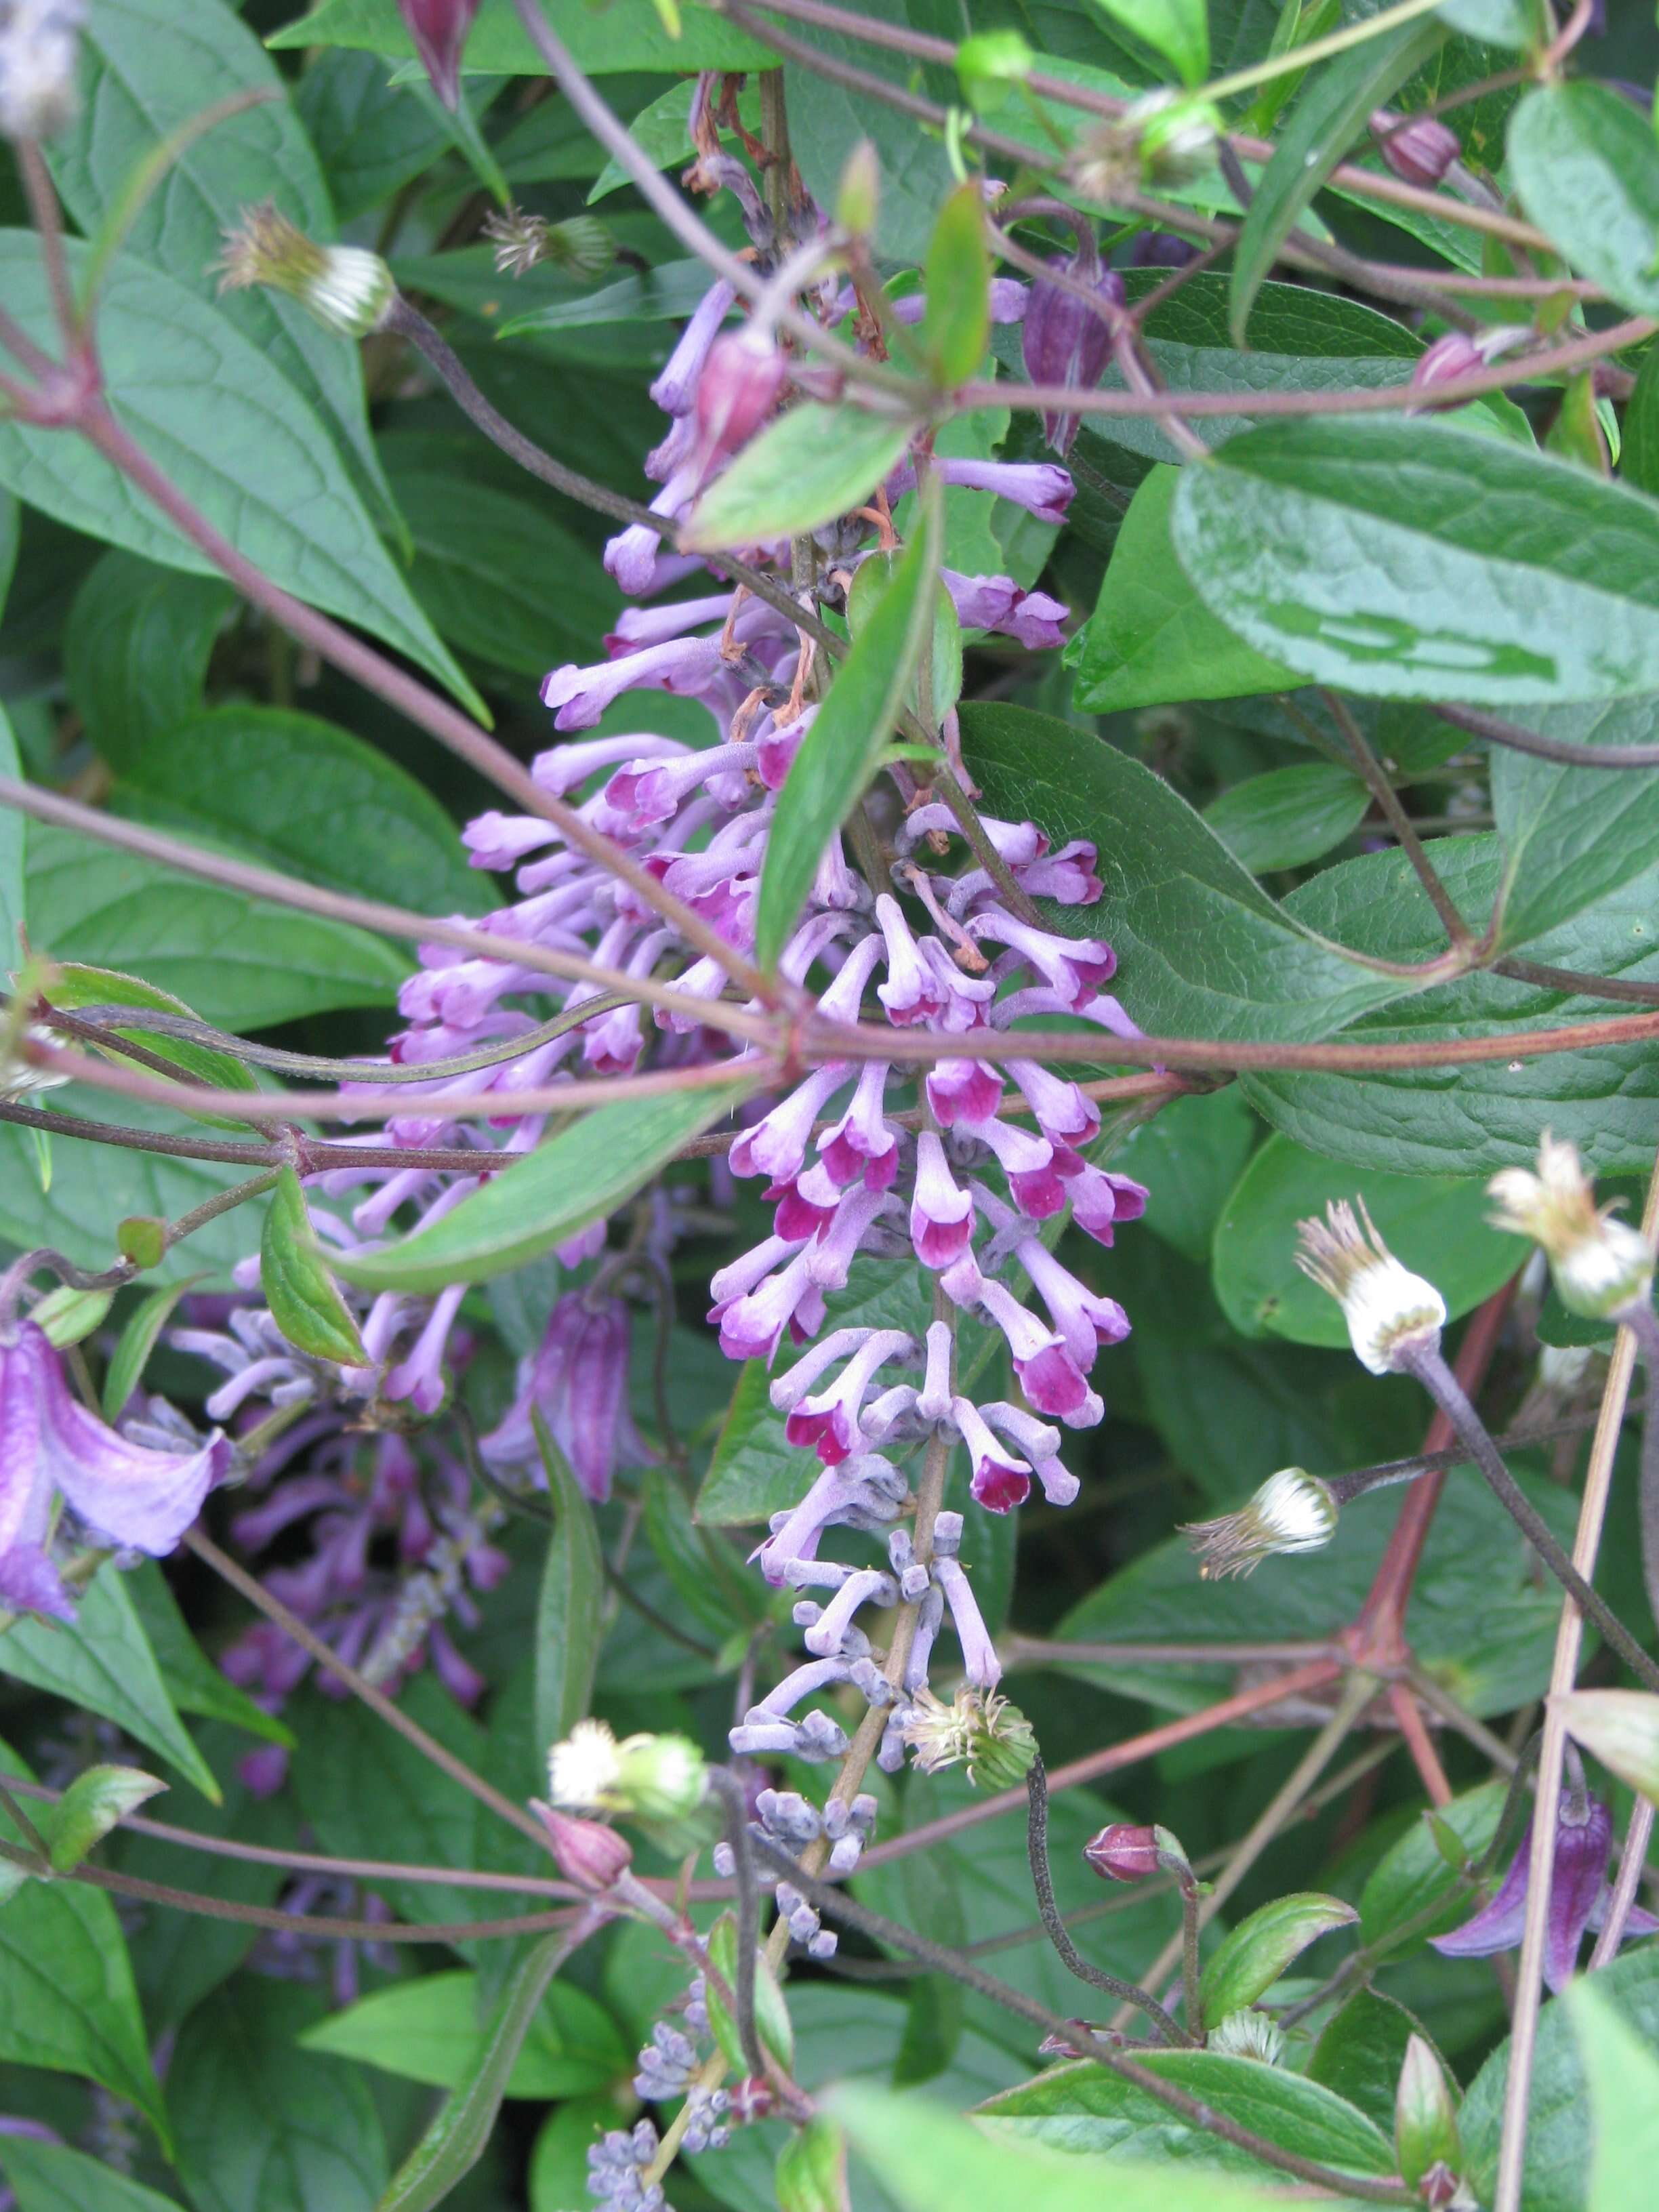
998 603
742 382
965 1090
776 1145
50 1443
1100 1201
1040 1445
829 1421
1584 1838
1038 486
687 666
1000 1478
578 1381
979 1659
861 1143
941 1213
1085 1320
1065 341
1028 1161
676 388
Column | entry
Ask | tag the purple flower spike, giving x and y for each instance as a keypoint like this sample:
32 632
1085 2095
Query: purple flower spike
577 1382
49 1442
438 28
1065 340
1583 1837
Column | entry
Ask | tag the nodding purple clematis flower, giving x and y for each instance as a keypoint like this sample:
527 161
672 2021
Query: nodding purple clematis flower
1066 341
1579 1894
50 1443
438 28
577 1382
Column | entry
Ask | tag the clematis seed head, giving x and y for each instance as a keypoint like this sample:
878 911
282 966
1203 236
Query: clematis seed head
349 289
978 1730
1292 1511
1599 1263
1390 1312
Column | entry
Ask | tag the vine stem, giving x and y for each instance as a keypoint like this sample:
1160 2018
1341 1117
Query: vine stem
411 1731
1540 1874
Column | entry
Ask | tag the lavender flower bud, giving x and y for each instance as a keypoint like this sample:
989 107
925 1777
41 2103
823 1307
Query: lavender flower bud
739 387
438 28
1064 340
348 290
1390 1312
1420 150
39 50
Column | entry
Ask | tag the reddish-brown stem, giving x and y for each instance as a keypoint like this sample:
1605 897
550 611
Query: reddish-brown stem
1418 1742
1130 1753
1378 1637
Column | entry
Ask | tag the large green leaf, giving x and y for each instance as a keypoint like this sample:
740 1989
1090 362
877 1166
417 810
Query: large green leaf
1413 1873
1324 124
1624 2090
49 2176
1083 2108
94 1186
1569 835
149 67
1468 1121
1586 167
1411 560
306 797
1204 950
583 1172
371 137
136 647
233 435
1563 2109
1360 2051
1288 817
1433 1224
931 2162
1151 638
243 963
628 35
264 2125
431 2030
838 755
502 580
1177 29
102 1663
193 1682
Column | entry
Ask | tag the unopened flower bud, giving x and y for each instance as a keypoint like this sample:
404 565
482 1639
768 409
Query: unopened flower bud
1456 354
739 388
349 289
858 193
438 28
586 1853
1292 1511
39 46
1064 340
1443 2191
1420 148
648 1777
1390 1312
1247 2034
1599 1262
1127 1852
992 1737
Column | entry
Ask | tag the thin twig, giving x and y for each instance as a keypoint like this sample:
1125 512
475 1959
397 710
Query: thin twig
1376 779
734 1799
1569 752
1632 1865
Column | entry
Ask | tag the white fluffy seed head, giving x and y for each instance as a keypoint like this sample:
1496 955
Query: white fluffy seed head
1247 2034
1292 1511
1390 1311
583 1770
1599 1262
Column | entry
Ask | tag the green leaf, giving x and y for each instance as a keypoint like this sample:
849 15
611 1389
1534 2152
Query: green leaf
667 294
628 36
1565 2134
48 2176
1638 457
1621 1729
241 962
305 797
263 2122
1571 835
1426 2116
1251 1957
483 559
662 131
431 2030
1189 1157
803 471
147 70
67 1317
957 322
1204 950
584 1171
67 1999
1433 1224
1413 1874
1623 2073
140 1337
571 1612
1151 638
193 1682
101 1660
771 2009
1469 1120
458 2138
1586 167
1412 560
1322 126
705 1572
1288 817
1177 29
13 843
94 1801
94 1183
75 985
209 409
930 2160
1360 2052
371 137
1083 2108
303 1297
811 2170
558 2164
839 753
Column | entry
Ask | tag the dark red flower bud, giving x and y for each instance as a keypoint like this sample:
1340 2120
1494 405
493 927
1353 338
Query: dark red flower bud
752 2098
740 384
586 1853
438 28
1447 359
1124 1852
1420 150
1066 341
